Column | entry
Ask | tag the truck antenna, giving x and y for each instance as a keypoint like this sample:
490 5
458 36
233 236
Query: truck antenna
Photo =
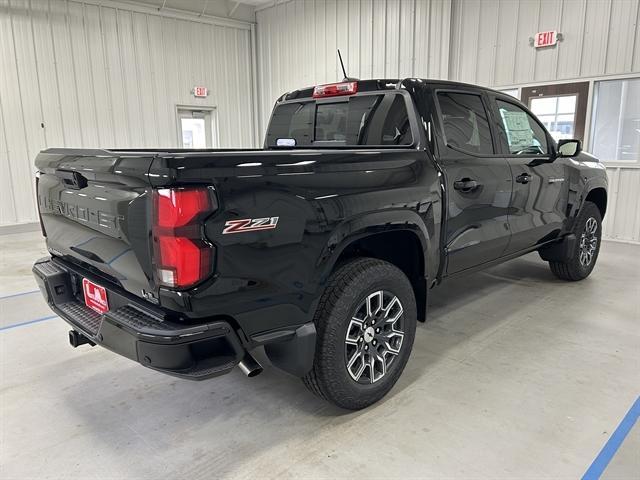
344 72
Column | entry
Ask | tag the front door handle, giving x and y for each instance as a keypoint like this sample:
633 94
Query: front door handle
523 178
465 185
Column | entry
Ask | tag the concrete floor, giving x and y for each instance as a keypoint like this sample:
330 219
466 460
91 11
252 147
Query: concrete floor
515 375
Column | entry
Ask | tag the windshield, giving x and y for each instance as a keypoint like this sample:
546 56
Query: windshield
372 120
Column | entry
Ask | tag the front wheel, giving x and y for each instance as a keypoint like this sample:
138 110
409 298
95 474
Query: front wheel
581 260
366 322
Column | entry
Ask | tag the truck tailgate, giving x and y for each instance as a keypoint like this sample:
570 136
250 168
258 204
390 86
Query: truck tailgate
95 210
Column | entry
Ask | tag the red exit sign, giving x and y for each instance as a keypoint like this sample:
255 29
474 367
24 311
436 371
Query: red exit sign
545 39
200 91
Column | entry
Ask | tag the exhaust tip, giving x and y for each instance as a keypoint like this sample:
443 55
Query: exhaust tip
250 366
255 372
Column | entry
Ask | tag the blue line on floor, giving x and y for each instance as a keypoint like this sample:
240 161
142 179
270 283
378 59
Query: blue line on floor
29 322
615 440
19 294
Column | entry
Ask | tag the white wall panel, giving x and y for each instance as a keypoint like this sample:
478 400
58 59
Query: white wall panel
17 177
622 221
572 26
490 43
622 37
477 41
101 74
396 38
546 59
297 42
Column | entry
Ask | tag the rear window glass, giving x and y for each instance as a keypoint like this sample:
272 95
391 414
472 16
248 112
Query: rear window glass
359 120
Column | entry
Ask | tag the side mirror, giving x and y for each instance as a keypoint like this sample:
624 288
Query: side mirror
569 148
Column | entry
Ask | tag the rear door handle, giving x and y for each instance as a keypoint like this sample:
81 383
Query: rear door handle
523 178
465 185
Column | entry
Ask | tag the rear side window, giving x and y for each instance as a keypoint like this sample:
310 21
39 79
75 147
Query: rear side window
465 122
374 120
525 136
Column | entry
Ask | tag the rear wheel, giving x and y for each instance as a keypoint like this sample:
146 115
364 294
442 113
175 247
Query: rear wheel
581 260
365 323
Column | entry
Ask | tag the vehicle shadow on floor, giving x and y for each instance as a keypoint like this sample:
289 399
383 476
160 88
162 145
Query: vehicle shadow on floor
464 310
240 417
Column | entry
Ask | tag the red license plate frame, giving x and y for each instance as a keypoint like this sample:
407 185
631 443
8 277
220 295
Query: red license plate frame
95 296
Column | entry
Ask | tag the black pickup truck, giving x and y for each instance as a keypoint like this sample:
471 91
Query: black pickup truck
321 246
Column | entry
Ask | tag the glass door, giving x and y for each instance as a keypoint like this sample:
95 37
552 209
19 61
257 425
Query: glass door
558 114
197 128
562 108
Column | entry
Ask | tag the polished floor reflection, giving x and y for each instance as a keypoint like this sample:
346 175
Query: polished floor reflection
515 374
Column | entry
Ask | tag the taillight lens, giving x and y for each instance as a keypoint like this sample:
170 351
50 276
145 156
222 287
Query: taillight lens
183 257
335 89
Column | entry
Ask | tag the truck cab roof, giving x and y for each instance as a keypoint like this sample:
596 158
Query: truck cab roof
388 84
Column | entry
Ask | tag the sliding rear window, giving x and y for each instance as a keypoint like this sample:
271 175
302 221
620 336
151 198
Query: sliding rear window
358 120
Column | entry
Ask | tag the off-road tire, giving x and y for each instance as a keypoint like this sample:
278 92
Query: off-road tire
347 287
571 268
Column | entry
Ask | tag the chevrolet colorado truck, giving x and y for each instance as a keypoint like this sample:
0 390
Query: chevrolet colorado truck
320 247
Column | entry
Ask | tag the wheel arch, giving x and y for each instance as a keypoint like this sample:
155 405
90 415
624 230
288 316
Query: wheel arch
598 196
402 244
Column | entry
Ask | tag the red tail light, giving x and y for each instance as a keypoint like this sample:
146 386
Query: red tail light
335 89
183 258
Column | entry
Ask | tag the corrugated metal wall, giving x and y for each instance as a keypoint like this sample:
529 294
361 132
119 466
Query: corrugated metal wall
622 221
490 40
110 76
477 41
297 42
78 74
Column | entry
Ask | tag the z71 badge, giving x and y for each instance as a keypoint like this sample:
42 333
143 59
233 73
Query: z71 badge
250 225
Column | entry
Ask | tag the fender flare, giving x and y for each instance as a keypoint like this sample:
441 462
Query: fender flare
366 225
295 356
593 185
589 185
585 173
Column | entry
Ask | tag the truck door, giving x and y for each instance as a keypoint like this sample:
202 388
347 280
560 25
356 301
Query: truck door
477 181
540 187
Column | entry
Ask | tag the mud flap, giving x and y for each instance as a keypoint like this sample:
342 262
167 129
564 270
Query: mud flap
294 356
560 251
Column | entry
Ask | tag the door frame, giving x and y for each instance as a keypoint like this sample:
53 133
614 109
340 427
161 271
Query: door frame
580 89
212 110
540 166
444 157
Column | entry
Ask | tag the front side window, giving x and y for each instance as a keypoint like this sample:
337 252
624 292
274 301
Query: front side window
465 123
525 136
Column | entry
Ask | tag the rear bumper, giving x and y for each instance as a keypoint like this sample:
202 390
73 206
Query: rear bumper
139 331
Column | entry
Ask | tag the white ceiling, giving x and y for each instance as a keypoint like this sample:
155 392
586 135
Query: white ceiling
240 10
256 3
